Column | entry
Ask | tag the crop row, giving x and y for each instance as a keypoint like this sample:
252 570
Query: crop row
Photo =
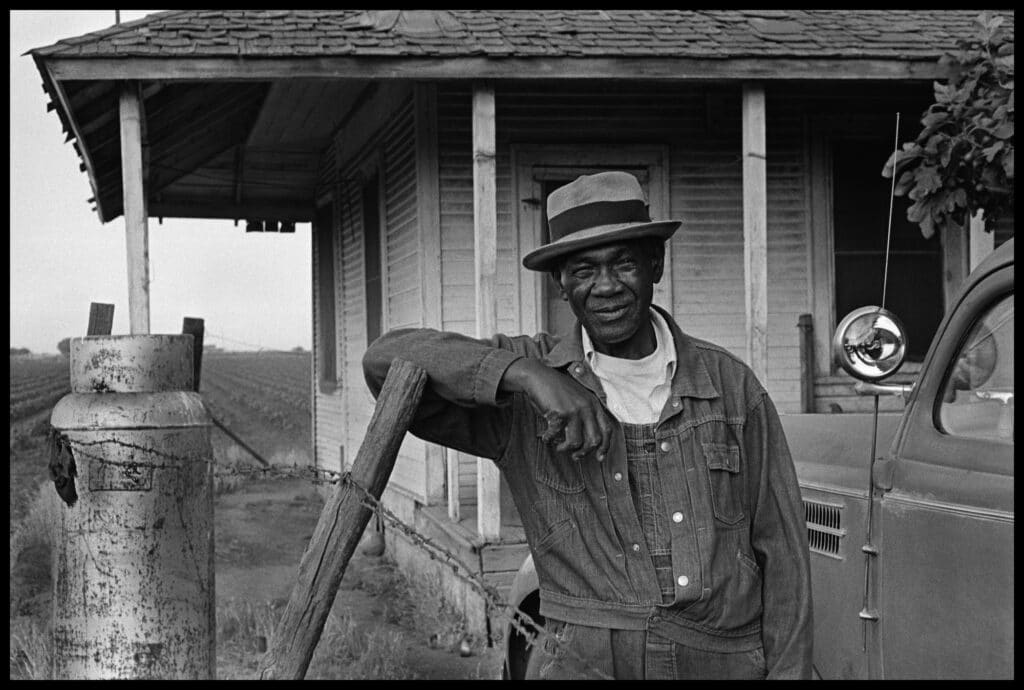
265 407
39 391
31 406
285 394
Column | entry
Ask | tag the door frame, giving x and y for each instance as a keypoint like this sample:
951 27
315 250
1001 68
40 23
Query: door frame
557 159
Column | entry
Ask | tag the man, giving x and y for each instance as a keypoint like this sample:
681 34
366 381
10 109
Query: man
649 468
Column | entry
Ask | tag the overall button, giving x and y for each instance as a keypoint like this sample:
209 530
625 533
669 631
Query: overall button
617 476
677 517
675 403
578 370
636 547
683 580
665 446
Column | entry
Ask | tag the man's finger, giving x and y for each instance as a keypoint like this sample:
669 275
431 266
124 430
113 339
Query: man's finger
554 429
591 435
573 437
607 429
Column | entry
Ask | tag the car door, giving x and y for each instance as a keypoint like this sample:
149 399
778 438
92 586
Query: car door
945 578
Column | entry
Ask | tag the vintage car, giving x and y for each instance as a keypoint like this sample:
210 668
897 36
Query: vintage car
912 546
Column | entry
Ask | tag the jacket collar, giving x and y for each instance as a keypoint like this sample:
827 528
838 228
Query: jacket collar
691 379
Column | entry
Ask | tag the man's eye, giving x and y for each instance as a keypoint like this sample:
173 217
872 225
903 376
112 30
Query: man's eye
628 265
582 273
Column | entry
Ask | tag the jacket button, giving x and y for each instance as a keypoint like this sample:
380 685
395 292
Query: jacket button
665 446
578 370
683 580
677 517
675 403
617 476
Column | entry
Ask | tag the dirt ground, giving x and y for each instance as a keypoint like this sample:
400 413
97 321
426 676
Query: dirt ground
261 531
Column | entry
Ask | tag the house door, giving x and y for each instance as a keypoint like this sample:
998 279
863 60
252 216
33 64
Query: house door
543 170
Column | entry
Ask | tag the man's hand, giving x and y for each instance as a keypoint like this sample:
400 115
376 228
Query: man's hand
566 405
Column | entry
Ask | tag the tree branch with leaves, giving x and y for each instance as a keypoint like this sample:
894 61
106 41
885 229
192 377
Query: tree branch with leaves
962 161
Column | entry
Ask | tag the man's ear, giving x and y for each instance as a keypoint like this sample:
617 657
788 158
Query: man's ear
556 276
657 254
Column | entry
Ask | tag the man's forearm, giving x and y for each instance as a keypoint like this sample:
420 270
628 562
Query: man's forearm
461 370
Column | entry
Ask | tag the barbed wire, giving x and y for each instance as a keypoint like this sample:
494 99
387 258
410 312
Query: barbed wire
523 623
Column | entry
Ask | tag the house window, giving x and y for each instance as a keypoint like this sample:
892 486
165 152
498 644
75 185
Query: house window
323 229
861 208
371 249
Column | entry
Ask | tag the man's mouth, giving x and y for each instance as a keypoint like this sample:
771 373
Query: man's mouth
610 313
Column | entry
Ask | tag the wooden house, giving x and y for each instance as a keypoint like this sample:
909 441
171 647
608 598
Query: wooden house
421 145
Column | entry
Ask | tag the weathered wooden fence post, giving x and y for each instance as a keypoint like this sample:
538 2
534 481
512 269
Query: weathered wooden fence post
341 524
805 324
133 559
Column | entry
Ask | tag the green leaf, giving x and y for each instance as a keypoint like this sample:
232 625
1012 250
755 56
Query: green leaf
927 226
992 150
1003 131
927 178
1008 165
916 211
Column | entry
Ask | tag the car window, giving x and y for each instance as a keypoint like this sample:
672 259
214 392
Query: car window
977 398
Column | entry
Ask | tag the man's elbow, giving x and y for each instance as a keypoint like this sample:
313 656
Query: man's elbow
376 364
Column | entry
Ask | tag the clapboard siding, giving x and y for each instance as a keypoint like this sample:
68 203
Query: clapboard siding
401 272
329 408
342 418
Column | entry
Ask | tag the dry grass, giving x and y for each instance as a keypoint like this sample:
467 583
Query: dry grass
31 649
31 545
346 652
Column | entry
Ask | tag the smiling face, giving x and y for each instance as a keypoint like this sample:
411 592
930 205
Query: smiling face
610 289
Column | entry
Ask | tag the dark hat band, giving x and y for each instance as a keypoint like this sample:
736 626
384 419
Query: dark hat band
597 213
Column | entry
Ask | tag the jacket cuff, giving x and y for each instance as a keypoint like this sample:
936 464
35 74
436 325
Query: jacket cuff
488 376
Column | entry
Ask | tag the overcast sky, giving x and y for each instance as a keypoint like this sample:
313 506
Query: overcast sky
253 289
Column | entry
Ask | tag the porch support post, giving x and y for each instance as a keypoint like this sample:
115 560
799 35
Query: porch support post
485 255
755 230
136 228
982 243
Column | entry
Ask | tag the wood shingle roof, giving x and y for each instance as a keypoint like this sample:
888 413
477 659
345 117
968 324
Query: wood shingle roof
907 34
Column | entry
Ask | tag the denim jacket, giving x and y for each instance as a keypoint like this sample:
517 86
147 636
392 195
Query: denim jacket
739 539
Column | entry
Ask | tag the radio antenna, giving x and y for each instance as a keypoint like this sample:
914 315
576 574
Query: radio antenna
892 196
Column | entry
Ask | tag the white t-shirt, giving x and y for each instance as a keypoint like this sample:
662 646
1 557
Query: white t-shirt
637 389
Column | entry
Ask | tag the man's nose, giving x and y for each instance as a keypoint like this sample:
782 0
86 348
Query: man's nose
606 282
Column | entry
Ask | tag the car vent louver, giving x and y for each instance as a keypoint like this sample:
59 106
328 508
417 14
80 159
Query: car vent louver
824 527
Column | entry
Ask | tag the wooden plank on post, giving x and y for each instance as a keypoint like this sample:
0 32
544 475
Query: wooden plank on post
755 229
195 328
485 254
341 524
805 325
136 229
101 319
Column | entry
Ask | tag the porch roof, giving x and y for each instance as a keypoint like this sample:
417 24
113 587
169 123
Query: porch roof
709 34
240 105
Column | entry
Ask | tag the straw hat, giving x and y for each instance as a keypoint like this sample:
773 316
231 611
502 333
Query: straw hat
593 210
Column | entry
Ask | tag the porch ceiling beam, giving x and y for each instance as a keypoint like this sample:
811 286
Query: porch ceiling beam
469 68
76 131
175 208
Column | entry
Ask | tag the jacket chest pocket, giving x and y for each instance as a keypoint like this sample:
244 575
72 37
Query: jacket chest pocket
723 461
557 470
560 472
